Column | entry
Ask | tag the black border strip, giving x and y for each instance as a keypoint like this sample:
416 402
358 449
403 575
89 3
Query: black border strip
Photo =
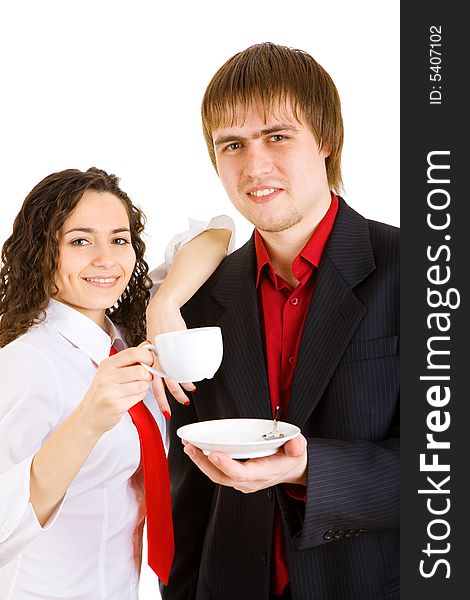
442 129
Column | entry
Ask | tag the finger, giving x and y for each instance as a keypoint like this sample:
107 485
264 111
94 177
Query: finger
132 373
202 462
295 447
131 401
158 388
188 386
253 470
130 356
133 388
176 391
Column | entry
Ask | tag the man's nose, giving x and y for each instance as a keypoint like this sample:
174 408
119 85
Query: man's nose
258 161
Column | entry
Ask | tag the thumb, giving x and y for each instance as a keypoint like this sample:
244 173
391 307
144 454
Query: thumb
296 446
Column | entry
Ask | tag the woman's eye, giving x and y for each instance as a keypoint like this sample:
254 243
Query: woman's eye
80 242
278 137
121 241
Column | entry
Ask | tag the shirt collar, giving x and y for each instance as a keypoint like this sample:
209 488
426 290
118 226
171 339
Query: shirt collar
310 255
83 332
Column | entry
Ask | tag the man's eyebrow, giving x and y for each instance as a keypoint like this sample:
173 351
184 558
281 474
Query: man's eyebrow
91 230
223 139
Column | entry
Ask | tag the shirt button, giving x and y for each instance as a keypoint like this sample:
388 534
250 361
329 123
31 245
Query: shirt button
294 301
291 360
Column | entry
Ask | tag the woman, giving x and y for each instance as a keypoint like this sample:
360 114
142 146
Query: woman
74 283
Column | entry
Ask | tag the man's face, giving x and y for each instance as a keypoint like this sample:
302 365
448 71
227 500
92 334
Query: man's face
273 171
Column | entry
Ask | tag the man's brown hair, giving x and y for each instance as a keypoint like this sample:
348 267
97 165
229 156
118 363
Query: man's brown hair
276 78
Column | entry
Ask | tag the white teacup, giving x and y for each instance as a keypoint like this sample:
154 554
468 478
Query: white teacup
188 354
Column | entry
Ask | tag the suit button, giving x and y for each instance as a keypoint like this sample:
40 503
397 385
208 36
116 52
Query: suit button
269 494
328 535
338 534
358 532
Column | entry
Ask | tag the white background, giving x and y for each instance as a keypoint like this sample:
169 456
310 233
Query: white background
118 85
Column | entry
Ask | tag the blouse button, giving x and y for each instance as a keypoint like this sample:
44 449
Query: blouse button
294 301
291 360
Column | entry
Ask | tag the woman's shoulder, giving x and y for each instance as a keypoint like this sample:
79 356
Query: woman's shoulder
29 374
29 349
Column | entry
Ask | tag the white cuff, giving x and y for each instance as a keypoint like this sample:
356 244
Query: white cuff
14 498
195 227
18 522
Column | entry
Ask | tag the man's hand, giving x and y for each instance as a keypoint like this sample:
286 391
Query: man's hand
288 465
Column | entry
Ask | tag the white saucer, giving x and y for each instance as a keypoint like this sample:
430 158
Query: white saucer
239 438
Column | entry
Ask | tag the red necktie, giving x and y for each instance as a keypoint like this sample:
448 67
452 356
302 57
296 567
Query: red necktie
160 539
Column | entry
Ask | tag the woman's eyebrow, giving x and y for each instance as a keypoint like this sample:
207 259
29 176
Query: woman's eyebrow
91 230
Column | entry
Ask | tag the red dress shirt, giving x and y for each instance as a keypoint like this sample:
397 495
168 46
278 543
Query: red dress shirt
283 310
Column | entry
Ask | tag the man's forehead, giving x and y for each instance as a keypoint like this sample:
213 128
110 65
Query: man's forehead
258 118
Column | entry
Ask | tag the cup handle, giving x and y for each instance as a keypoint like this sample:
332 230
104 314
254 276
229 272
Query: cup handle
151 369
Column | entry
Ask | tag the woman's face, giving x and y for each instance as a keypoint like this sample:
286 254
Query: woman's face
96 257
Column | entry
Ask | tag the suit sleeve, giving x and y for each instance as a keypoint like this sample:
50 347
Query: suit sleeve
352 487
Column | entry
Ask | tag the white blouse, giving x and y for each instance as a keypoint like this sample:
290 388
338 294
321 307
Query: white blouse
90 548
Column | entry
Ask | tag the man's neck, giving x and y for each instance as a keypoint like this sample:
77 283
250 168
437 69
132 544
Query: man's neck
284 246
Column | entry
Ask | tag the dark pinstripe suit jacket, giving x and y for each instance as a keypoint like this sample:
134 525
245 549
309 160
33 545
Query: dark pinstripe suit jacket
342 544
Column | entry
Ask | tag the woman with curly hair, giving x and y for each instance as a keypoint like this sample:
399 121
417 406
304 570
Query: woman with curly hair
73 285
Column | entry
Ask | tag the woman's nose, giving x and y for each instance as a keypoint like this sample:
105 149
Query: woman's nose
103 256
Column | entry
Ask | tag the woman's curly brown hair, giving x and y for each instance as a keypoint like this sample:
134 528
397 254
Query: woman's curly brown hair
30 255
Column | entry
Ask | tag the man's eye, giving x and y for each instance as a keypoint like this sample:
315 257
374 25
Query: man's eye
80 242
121 241
233 146
278 137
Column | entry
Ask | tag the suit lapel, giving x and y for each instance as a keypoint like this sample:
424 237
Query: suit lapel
244 370
333 316
334 313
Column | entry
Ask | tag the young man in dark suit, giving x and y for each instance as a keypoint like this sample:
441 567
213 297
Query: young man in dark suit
309 315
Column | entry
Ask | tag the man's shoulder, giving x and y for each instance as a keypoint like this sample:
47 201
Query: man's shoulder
383 229
236 265
347 214
383 233
233 272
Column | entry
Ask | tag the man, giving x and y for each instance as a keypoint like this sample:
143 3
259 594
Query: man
308 310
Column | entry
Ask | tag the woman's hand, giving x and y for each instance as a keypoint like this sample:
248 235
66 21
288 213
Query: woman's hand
163 316
119 383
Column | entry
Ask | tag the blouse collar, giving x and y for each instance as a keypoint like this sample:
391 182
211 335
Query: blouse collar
83 332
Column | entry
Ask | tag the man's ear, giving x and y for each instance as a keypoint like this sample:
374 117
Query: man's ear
325 150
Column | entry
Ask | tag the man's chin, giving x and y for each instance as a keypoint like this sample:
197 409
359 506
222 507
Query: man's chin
277 227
